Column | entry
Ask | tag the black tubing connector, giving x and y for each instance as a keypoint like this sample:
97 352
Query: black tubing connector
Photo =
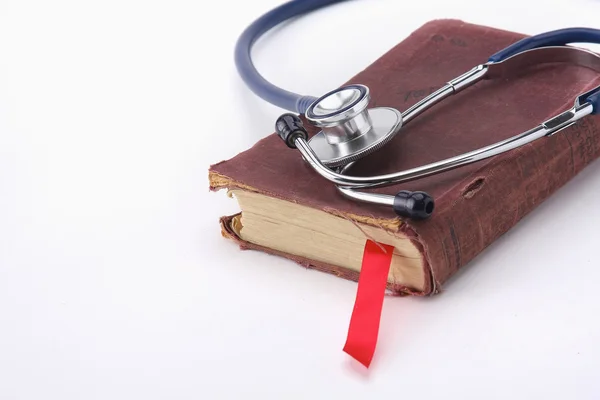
413 205
289 127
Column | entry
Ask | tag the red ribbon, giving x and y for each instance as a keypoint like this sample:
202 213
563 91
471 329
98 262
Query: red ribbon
364 323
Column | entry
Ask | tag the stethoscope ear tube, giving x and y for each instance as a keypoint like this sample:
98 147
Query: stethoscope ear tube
403 204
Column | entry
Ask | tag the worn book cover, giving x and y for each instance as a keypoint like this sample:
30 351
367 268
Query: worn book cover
475 204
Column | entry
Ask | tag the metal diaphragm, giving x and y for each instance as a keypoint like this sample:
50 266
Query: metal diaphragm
349 130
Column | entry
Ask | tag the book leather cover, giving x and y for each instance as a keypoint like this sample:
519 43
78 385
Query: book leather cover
475 204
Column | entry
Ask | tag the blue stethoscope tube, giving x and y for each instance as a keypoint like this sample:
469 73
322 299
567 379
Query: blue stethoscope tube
299 103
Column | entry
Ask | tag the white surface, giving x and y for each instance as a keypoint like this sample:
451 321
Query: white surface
116 284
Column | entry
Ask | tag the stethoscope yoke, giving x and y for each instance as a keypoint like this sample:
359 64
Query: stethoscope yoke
351 131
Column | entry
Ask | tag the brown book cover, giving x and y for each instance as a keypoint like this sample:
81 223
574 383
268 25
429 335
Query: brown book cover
475 204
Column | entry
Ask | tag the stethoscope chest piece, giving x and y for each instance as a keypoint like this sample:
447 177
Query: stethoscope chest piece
349 130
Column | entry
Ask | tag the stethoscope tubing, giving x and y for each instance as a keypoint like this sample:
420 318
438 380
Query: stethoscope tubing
534 50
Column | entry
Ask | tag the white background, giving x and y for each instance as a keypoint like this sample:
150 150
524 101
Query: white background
115 282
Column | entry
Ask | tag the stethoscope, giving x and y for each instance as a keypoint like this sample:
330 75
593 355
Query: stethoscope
350 130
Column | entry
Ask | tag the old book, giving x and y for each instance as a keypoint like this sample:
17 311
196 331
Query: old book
289 211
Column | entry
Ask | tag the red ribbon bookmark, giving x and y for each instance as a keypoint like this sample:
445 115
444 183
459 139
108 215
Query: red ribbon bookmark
364 323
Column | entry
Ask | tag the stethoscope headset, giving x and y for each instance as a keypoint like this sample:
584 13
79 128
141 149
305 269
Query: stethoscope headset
351 131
